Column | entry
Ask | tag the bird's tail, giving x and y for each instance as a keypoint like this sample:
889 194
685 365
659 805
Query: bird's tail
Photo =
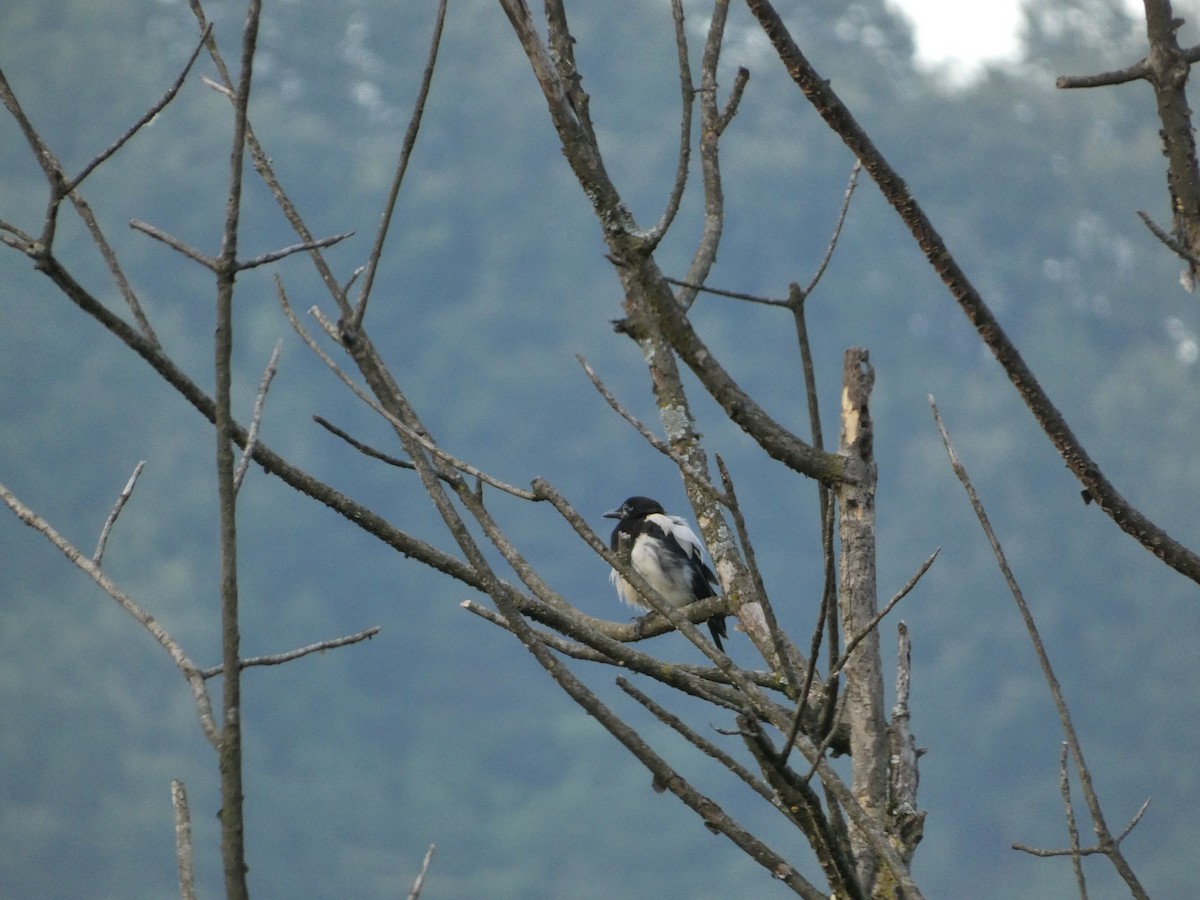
716 627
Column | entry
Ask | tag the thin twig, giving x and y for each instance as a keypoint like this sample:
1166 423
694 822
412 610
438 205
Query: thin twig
122 499
1064 788
1108 846
827 624
711 125
1138 70
209 262
20 240
1175 246
284 252
114 266
708 747
146 117
219 88
410 140
364 449
166 641
687 101
462 466
260 400
592 644
1097 850
419 883
719 292
734 100
651 438
853 643
370 451
830 725
851 184
1137 817
779 638
262 165
280 658
663 447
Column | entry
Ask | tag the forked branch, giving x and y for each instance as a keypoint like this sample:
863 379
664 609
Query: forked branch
1108 845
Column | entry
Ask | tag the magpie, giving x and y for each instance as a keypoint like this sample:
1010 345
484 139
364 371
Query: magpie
666 552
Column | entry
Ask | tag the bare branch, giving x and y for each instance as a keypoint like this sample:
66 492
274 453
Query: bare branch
785 654
122 499
842 122
209 262
743 410
233 846
853 643
114 266
41 152
146 117
1175 247
799 803
19 240
1108 846
740 80
688 100
651 438
1064 788
419 883
562 54
362 448
603 642
160 634
271 462
567 105
1138 70
705 746
183 841
701 478
375 404
302 247
857 604
262 165
410 140
219 88
719 292
847 195
711 126
908 822
280 658
1169 69
260 400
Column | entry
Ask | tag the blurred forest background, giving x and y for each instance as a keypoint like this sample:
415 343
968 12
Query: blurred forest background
441 729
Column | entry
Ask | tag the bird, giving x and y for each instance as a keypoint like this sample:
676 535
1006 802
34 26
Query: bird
666 552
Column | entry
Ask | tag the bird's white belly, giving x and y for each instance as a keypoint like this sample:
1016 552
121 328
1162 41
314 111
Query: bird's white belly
665 574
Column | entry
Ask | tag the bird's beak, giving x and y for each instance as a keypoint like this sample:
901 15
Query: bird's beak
614 513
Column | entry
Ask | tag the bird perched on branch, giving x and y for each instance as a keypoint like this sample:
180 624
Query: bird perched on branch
666 552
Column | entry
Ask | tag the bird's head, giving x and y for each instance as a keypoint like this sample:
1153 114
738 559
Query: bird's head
635 508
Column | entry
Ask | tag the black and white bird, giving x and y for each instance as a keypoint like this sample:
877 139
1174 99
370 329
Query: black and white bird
666 552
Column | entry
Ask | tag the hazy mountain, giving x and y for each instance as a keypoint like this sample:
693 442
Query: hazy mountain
441 729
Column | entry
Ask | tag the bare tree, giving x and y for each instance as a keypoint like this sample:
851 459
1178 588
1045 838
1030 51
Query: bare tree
794 712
